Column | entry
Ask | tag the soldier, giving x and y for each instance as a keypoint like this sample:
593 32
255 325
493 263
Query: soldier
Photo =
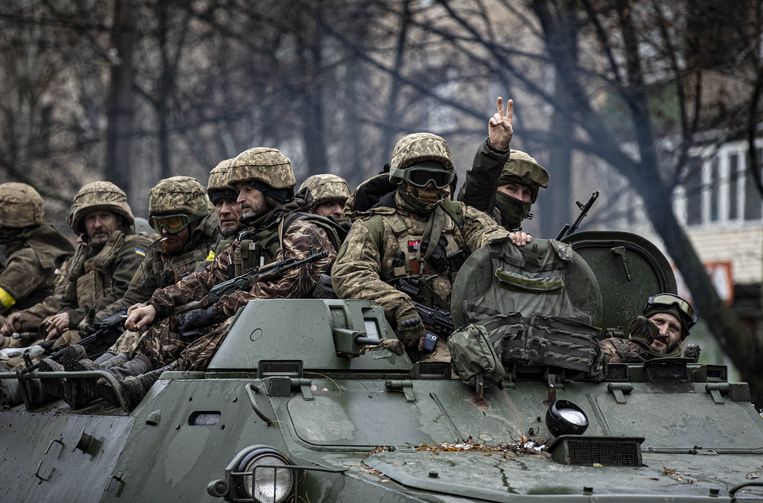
223 197
414 237
657 333
179 211
325 195
104 262
503 183
265 183
33 251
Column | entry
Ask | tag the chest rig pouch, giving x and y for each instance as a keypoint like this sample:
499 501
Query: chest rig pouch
95 280
424 257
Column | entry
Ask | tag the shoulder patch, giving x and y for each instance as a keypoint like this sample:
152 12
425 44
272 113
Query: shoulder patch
140 251
210 256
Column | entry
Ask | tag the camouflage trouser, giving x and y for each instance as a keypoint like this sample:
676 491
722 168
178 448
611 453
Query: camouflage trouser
126 343
199 353
162 344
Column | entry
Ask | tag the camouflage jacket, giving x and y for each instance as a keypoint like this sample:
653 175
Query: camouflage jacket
381 248
158 270
28 272
478 190
619 350
100 276
300 240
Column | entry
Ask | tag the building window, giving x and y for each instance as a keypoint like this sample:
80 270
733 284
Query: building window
753 205
694 193
714 188
734 178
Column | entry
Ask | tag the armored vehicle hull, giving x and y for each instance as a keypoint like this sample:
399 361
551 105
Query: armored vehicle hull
303 403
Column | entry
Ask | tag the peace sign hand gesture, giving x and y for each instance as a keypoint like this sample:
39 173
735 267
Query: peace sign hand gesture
499 128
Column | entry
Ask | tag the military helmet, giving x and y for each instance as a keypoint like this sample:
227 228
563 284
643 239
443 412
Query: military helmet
99 195
265 165
524 169
325 187
419 147
20 206
218 180
178 195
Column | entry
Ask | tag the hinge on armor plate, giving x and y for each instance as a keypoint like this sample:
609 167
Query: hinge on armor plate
405 386
619 390
282 386
715 389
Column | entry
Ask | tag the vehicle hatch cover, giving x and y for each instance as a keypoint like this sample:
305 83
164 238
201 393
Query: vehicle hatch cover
629 269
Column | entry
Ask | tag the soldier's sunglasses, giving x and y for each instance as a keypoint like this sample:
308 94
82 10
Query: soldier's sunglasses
668 299
420 176
170 224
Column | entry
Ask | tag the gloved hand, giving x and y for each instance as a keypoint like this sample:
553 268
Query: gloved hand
642 331
410 328
196 318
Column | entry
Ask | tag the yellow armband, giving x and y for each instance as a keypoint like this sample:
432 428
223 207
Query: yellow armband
6 299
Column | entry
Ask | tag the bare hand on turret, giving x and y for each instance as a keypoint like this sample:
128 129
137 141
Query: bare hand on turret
499 127
520 238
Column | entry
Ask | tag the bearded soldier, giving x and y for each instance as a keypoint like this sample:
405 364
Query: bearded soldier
502 182
223 197
33 250
415 239
325 195
657 333
104 263
265 182
179 211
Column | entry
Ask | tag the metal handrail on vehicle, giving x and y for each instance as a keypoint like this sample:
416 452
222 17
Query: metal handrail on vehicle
84 374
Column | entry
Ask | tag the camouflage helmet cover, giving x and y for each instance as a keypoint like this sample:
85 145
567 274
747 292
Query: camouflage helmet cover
218 177
326 187
20 206
419 147
99 195
267 165
523 168
178 194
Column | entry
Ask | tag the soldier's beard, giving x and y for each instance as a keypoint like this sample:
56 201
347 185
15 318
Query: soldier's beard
251 213
422 200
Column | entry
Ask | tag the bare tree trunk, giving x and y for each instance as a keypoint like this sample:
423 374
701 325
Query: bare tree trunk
120 102
557 198
164 88
390 113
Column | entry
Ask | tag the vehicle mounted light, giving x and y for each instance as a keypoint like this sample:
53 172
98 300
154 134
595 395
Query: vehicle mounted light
565 418
271 481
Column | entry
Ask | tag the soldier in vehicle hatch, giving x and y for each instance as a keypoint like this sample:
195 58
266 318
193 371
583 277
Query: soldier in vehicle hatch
325 195
503 183
265 183
33 248
413 237
223 197
178 210
108 255
657 333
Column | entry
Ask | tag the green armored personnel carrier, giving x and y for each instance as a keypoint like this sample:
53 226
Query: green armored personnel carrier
302 404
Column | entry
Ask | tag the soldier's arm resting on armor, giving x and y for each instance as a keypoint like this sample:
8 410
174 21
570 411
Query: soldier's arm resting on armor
479 229
21 276
355 274
301 240
481 182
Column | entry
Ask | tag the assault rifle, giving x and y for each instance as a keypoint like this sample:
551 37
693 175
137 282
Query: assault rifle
438 323
584 208
99 334
249 278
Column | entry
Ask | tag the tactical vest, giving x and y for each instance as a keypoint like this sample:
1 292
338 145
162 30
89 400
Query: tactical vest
258 247
170 270
94 275
537 303
423 271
